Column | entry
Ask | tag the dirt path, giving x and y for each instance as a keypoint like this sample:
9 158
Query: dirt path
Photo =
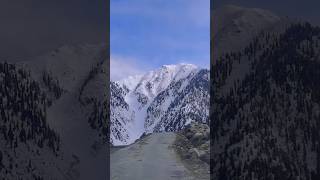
151 158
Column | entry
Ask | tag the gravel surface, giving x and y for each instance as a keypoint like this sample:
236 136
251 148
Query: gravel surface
151 158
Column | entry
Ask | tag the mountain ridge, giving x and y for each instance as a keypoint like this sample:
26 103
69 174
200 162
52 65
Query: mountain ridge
72 79
138 101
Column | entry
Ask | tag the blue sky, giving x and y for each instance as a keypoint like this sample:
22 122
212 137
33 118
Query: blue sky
145 34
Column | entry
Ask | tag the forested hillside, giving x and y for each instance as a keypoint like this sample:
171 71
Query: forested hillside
266 108
23 126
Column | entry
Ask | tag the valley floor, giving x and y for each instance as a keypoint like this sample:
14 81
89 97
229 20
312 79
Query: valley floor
150 158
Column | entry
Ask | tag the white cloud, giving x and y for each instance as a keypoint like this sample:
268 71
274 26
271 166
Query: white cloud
122 67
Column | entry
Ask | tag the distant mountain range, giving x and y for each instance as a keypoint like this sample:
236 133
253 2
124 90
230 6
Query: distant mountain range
165 99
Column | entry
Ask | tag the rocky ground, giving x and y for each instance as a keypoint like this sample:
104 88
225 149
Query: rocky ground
151 157
193 146
183 155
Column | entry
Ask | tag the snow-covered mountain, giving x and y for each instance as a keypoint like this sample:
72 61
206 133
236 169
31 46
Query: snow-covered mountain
265 103
165 99
66 91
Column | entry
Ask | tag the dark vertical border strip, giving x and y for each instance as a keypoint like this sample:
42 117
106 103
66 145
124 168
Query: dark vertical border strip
210 85
108 88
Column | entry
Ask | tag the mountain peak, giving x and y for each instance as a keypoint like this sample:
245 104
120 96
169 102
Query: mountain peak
140 102
237 17
180 65
165 74
153 82
236 26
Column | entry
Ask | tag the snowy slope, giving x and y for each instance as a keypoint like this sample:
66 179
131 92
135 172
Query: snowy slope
189 103
80 74
139 103
69 64
265 103
235 26
29 147
265 119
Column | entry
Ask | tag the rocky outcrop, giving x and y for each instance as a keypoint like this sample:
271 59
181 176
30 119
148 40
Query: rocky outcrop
193 146
198 136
